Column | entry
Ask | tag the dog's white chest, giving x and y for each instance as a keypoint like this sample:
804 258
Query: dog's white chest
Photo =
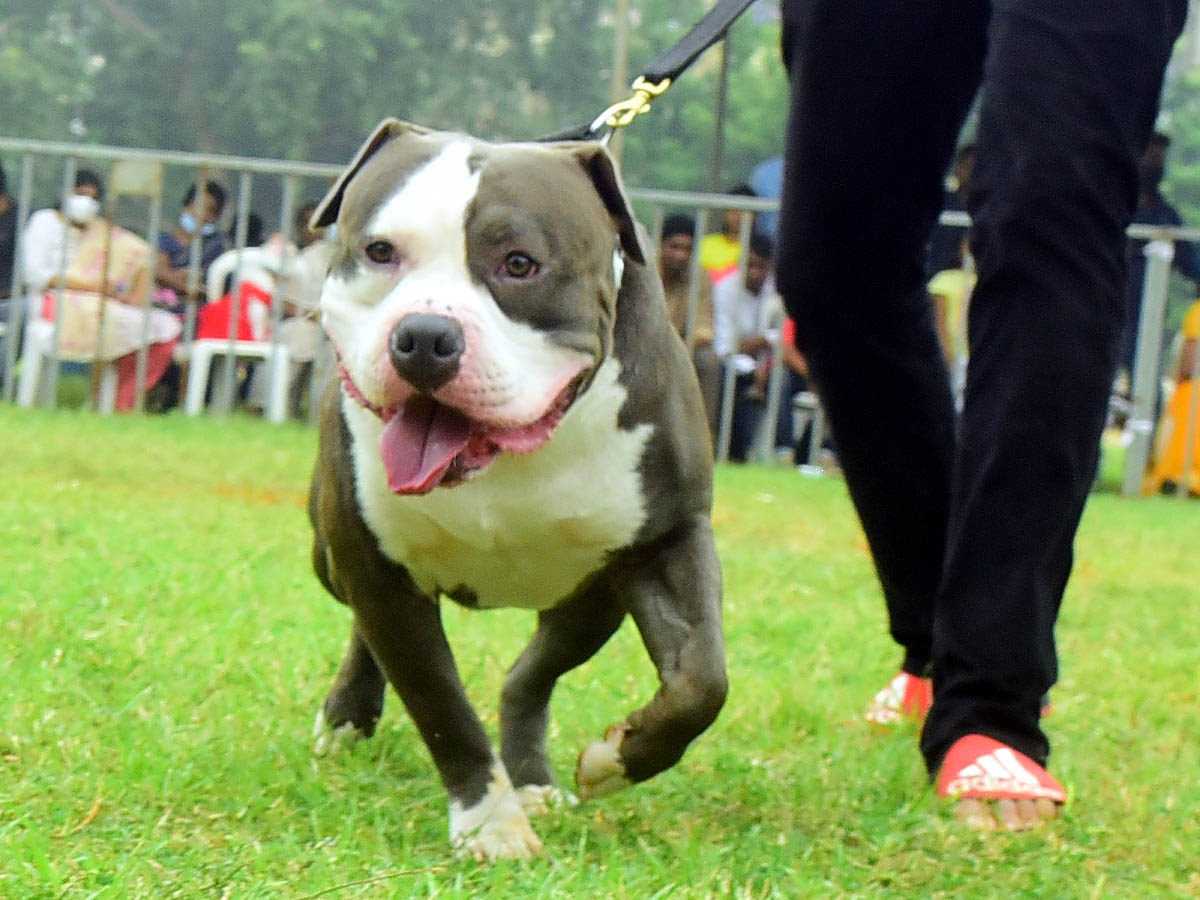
530 528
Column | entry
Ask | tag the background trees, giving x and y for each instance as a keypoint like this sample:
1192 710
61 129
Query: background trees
307 79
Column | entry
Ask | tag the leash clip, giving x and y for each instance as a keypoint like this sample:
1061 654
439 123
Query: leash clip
625 111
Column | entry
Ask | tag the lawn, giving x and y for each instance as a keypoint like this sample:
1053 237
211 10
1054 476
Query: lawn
165 648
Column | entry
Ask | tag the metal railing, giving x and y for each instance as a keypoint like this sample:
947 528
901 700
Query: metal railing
155 165
140 175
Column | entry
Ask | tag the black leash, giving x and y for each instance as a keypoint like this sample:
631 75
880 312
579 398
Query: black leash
662 71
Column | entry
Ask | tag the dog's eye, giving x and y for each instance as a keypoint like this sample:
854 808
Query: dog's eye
518 265
380 251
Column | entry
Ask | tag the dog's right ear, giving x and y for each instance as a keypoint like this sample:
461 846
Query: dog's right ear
326 212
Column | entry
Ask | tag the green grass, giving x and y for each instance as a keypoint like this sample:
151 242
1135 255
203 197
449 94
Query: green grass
164 647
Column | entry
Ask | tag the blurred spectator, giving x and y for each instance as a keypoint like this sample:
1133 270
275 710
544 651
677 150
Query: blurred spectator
8 238
1152 209
747 314
50 239
197 219
945 241
793 379
305 233
721 250
100 274
255 232
1167 470
675 269
767 181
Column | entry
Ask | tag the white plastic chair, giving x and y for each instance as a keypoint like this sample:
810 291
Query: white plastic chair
806 410
36 359
258 267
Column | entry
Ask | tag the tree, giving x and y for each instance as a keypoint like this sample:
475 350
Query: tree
307 79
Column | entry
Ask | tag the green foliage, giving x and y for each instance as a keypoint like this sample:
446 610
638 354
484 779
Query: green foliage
166 647
1181 185
307 80
44 68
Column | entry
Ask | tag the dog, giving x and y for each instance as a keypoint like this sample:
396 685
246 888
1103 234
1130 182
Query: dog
516 424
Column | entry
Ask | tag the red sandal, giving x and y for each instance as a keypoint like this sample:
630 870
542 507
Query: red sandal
979 766
906 696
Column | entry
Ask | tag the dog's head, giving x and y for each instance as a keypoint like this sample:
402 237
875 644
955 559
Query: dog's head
471 293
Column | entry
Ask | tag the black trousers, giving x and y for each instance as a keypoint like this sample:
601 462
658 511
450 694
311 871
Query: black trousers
971 520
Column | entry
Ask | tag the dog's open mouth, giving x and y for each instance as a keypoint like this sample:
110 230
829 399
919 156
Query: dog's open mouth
426 444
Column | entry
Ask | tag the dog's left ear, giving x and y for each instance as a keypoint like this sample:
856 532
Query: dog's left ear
326 212
601 168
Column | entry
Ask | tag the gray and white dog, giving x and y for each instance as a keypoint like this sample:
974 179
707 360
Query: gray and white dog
516 424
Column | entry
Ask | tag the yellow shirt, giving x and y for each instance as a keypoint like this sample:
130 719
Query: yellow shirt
719 255
1191 322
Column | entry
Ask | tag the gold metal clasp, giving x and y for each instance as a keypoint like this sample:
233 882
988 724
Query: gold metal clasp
625 111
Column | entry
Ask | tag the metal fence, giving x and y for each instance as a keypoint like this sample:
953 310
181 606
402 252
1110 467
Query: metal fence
142 176
135 185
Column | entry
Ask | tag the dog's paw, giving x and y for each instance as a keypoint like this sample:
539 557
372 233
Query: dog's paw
327 739
537 799
600 771
494 828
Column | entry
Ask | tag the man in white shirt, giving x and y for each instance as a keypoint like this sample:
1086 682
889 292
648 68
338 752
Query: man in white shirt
746 318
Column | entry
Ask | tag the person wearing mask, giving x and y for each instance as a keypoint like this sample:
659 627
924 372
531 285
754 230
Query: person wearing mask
51 237
197 221
92 278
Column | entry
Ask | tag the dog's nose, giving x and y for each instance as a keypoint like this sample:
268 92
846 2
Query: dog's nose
426 350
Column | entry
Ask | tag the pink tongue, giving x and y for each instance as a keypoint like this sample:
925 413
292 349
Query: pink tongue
419 443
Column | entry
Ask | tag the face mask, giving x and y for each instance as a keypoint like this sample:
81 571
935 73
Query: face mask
81 209
187 222
209 228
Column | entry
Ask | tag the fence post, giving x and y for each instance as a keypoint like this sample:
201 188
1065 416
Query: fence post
1145 387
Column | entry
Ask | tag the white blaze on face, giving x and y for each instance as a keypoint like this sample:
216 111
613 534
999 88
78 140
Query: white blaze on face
509 374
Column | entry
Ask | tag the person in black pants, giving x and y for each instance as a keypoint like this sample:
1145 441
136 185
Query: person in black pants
971 520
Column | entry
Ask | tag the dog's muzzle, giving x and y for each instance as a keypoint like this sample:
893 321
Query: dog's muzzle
426 349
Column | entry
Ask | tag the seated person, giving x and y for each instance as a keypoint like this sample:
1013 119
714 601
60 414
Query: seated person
721 250
1167 470
746 317
197 220
675 270
100 274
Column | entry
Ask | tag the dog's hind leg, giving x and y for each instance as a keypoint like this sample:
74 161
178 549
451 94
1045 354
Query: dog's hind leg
567 636
674 596
354 703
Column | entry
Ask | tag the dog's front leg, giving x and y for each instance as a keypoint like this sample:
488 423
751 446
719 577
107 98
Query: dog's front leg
404 633
354 703
567 636
674 597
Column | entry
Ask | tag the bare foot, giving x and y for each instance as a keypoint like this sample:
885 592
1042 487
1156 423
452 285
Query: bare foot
1005 815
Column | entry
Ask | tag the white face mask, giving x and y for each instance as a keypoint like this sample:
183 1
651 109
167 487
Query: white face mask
81 209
